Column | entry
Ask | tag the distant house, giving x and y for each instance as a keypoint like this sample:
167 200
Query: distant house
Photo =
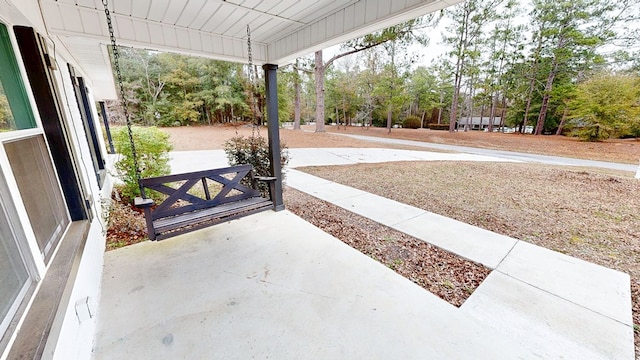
477 123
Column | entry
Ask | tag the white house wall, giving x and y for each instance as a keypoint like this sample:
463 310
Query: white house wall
72 336
75 337
77 322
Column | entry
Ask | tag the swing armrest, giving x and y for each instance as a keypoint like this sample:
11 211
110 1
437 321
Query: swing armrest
271 181
143 203
266 178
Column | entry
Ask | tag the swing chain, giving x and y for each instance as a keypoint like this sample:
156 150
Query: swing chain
123 99
250 54
254 106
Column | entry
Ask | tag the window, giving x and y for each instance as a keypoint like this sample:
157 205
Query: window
39 191
86 113
14 276
6 116
15 112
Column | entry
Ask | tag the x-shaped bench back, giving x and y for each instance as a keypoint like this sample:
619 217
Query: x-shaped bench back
171 206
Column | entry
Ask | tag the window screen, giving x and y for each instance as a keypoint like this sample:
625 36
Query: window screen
39 191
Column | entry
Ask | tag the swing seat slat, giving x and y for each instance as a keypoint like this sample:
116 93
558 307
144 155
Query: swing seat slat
204 198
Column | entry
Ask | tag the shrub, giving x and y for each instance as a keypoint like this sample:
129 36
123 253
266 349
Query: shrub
438 126
254 151
593 132
152 148
125 226
411 122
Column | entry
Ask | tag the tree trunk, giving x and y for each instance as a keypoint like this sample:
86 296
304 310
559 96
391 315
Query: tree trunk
453 116
492 112
344 113
296 110
206 114
470 106
563 121
460 62
542 117
532 80
393 78
532 84
504 112
440 109
527 107
319 75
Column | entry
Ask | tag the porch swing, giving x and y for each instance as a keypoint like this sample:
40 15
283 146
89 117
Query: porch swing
198 199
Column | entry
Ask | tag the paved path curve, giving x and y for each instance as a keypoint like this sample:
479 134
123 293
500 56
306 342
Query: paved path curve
510 155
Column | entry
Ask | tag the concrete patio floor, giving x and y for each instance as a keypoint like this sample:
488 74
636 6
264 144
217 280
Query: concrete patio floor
273 286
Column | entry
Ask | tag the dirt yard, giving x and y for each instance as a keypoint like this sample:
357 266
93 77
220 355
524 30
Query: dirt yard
213 137
589 215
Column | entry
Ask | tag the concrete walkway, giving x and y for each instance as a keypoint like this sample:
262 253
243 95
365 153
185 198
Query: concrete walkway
183 161
273 286
554 305
504 155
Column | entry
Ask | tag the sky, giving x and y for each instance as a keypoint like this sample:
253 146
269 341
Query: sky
436 47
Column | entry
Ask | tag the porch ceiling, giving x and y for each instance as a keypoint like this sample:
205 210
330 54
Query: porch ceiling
281 29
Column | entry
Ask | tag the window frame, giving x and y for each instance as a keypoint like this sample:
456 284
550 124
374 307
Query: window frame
13 84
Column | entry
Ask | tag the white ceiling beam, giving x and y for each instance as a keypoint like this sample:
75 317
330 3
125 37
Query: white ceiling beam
148 34
259 12
358 19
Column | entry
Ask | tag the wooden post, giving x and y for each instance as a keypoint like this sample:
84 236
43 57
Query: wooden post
273 127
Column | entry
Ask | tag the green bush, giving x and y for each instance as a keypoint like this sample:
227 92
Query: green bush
254 151
438 126
152 148
593 132
411 122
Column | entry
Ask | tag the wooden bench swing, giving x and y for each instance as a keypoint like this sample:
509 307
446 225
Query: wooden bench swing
197 199
191 206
